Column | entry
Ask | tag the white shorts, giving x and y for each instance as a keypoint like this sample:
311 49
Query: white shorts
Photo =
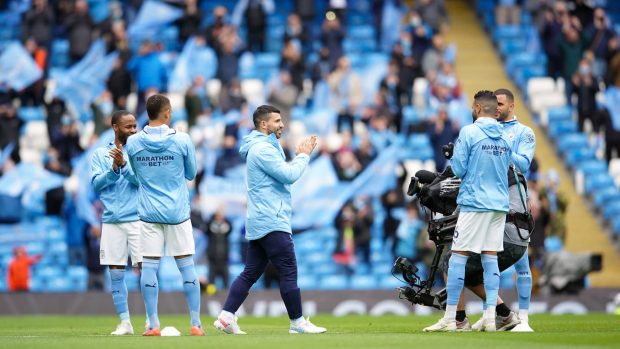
118 241
479 231
167 239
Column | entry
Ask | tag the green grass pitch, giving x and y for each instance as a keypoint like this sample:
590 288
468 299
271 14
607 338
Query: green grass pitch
581 331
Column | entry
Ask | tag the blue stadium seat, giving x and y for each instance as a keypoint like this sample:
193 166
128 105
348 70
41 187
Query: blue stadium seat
334 282
591 167
553 244
327 268
59 284
4 287
388 281
605 195
505 32
574 156
48 272
418 141
573 141
560 128
364 282
307 282
598 181
60 53
611 210
235 269
380 268
506 48
615 226
79 277
559 114
31 113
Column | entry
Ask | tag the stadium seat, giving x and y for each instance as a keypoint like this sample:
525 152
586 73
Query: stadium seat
611 210
553 244
388 281
334 282
253 90
576 155
573 141
562 127
307 282
614 170
364 282
59 284
597 182
615 226
506 32
327 268
540 85
605 195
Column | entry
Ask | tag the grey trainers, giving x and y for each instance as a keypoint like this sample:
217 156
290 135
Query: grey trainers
507 323
463 326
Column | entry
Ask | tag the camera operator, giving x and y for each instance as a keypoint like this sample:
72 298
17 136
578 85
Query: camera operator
481 159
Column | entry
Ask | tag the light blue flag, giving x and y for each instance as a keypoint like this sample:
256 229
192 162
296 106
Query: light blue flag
318 205
153 16
17 68
196 59
86 80
391 18
31 182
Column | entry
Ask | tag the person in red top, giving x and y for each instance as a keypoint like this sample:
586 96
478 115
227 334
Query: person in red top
19 270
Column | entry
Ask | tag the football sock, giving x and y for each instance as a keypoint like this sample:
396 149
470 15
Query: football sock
491 282
502 310
150 289
191 287
460 315
119 292
456 280
524 281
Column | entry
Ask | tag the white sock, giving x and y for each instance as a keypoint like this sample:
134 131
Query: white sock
126 321
450 312
226 315
523 315
489 313
297 322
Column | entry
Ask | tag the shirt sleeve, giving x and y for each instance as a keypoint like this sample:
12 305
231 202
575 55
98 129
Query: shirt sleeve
522 157
460 158
102 175
190 159
128 173
274 165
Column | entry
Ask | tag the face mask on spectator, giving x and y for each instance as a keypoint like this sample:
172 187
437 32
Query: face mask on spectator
584 69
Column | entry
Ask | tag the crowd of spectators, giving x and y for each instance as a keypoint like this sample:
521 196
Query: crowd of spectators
312 60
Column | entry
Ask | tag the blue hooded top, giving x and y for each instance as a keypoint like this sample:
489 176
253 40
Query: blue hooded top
522 142
268 181
481 158
117 190
162 159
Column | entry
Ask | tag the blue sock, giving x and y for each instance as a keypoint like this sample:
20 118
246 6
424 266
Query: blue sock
524 281
119 292
150 289
191 287
456 277
491 279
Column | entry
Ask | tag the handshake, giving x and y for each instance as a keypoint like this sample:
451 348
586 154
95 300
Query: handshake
448 150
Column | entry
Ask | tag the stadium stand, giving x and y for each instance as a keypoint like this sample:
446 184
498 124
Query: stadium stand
395 112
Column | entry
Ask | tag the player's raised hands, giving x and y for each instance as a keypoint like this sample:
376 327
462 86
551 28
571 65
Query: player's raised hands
307 145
